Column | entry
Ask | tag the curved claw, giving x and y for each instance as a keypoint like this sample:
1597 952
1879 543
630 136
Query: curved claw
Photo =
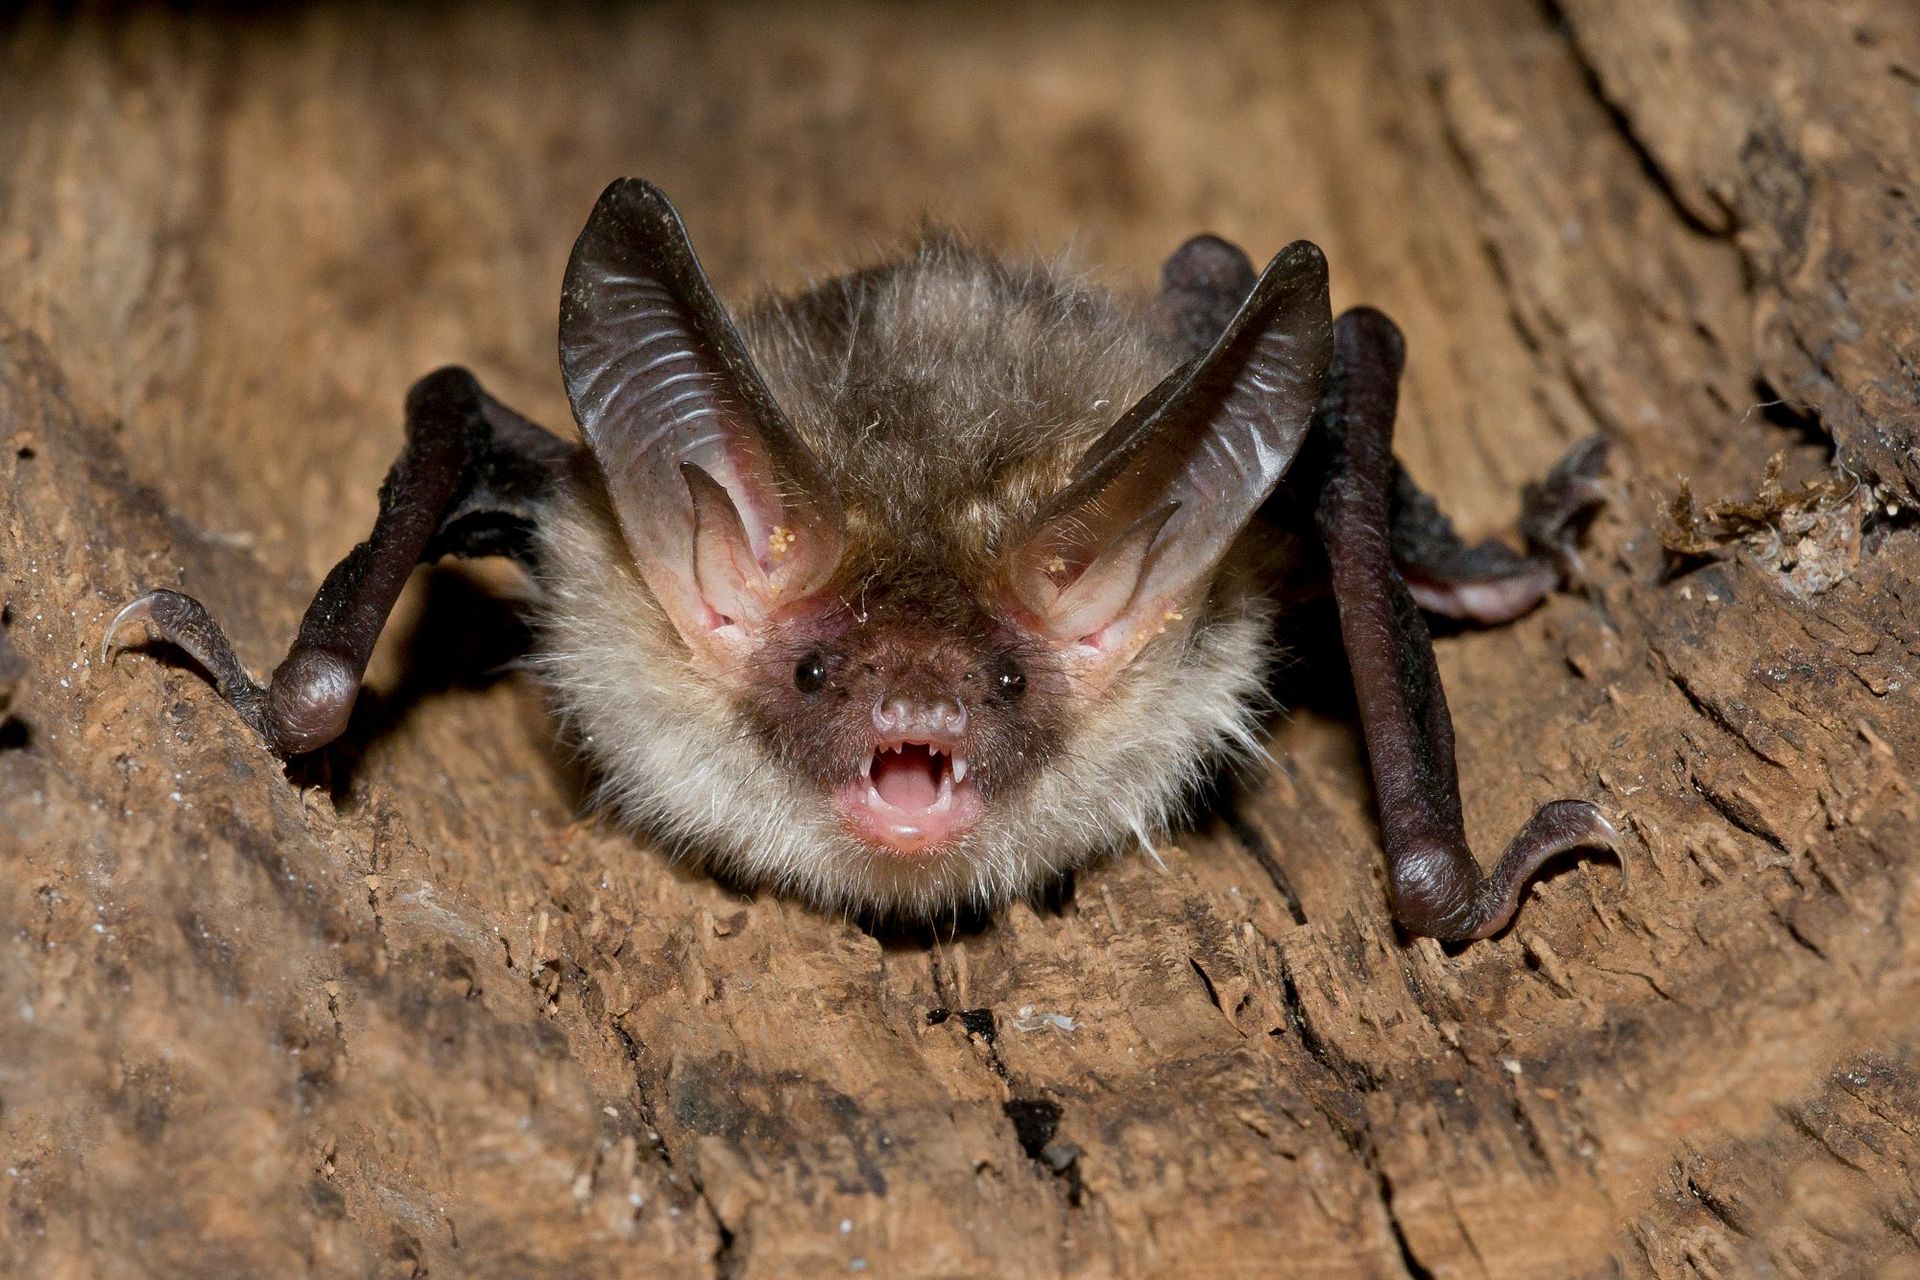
135 610
1555 828
1454 903
184 622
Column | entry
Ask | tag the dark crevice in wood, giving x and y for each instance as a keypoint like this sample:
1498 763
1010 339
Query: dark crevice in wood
1722 1212
1213 996
1820 1135
1036 1126
1738 815
1798 935
1798 419
1712 713
1408 1259
1055 897
980 1026
1622 123
1349 1073
1254 842
1529 1132
1035 1118
643 1096
728 1260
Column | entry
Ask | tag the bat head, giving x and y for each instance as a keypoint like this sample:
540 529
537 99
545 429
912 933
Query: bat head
934 620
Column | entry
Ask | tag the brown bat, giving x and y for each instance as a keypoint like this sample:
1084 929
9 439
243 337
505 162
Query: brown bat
928 584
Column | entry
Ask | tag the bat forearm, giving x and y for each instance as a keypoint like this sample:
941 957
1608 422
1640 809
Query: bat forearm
469 474
1435 885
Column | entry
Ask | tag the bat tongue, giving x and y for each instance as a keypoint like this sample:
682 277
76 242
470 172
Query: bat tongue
907 779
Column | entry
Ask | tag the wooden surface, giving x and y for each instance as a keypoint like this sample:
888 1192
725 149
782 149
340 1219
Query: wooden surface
407 1010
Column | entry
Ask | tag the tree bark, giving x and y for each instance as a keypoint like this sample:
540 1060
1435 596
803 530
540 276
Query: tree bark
411 1009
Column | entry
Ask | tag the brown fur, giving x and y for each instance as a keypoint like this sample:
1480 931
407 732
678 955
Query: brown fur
947 395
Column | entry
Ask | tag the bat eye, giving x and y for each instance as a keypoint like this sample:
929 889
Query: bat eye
1012 682
810 674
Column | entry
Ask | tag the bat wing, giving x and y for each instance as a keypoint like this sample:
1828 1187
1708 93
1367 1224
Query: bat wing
1202 286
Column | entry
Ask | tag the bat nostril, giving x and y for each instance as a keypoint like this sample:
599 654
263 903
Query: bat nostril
937 717
951 717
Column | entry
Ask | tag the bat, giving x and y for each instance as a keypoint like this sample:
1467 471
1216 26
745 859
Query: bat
928 584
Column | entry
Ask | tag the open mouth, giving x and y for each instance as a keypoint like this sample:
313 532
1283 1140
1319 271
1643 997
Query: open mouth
911 796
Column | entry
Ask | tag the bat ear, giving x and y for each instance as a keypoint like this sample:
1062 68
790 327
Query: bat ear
728 514
1156 501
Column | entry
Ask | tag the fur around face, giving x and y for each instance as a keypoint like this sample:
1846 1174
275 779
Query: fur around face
948 396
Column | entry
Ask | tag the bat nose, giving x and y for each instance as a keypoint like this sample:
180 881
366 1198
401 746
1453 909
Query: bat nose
898 715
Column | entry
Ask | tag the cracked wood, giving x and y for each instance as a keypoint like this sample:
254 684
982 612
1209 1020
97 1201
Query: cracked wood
406 1012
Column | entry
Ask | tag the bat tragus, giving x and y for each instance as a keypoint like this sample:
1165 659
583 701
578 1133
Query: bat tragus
885 598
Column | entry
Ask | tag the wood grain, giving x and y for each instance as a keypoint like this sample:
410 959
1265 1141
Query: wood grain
411 1009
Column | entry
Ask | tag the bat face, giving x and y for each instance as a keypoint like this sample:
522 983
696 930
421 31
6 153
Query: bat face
912 716
918 587
902 751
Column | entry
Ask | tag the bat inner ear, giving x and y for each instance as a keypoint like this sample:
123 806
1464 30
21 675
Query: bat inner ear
730 578
738 584
1078 607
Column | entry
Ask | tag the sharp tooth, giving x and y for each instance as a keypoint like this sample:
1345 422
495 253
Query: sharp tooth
945 799
959 767
934 751
873 798
866 769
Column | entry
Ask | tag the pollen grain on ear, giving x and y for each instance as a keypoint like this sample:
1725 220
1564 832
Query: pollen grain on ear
780 540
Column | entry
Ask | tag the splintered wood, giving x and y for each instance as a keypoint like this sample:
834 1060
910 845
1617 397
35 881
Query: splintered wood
410 1009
